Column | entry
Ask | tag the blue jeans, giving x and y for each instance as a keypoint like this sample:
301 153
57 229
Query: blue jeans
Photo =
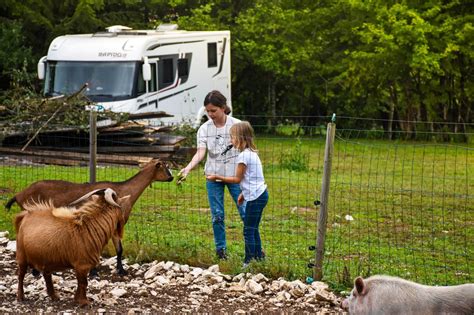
215 194
253 215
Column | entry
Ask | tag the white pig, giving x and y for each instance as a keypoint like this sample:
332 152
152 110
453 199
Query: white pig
391 295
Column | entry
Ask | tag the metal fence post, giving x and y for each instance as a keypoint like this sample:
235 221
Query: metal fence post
92 145
323 210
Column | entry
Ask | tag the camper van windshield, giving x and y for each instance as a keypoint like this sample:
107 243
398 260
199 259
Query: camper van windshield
106 81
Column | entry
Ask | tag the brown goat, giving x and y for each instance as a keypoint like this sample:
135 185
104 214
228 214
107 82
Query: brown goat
62 193
52 239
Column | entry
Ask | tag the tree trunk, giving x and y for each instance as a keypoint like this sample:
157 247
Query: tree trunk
463 98
393 105
271 103
146 11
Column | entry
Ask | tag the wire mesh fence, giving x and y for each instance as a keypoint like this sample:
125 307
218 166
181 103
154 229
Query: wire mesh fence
400 203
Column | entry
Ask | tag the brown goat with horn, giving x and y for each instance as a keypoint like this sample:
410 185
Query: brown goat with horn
52 239
62 193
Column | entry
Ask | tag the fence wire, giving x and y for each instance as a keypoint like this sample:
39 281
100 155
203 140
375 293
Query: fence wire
400 203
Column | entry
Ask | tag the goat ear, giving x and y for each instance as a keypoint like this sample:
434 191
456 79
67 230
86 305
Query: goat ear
121 199
360 285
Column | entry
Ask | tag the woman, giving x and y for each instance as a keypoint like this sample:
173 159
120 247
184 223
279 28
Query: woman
213 137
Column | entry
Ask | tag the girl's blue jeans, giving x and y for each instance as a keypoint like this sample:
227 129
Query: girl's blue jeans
253 215
215 194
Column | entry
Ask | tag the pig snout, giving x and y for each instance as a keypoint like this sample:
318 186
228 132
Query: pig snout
345 304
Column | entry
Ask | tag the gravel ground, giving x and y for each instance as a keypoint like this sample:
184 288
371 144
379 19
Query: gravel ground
163 287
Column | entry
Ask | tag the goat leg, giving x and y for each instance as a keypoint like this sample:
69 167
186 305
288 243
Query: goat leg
20 296
49 285
80 296
119 250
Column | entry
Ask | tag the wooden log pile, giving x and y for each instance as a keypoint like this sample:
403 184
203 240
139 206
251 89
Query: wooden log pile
133 142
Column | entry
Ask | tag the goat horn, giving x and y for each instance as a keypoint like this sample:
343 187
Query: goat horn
109 195
86 196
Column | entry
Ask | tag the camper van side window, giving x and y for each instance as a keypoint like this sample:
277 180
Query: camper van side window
168 76
183 68
212 55
166 71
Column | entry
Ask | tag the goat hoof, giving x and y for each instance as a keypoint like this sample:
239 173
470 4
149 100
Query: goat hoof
54 297
35 273
82 302
122 272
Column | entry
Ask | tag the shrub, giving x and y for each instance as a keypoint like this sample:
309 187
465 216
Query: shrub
295 160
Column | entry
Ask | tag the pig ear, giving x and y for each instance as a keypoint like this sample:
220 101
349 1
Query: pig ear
359 285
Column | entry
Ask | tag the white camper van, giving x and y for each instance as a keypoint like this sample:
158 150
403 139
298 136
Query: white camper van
139 71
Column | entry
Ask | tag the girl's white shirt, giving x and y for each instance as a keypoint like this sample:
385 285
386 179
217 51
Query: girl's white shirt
216 140
253 182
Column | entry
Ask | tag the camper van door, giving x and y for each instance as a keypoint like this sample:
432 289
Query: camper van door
150 99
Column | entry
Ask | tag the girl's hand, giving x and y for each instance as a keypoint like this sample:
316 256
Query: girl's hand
211 177
240 199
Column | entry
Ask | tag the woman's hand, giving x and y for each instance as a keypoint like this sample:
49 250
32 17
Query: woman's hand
240 199
181 177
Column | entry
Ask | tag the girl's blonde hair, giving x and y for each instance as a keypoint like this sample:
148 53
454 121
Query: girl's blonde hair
243 133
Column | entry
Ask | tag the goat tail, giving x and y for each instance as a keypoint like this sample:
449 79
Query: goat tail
19 217
10 202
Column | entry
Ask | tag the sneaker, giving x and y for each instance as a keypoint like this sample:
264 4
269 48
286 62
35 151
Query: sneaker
221 254
245 266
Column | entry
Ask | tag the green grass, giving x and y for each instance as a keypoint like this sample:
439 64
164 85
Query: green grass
412 205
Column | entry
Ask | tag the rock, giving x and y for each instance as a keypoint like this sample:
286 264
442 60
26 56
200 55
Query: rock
238 277
119 292
168 265
161 280
253 287
213 268
296 292
196 272
11 246
318 285
259 277
152 272
111 261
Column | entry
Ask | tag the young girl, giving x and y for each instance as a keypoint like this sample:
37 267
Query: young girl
249 174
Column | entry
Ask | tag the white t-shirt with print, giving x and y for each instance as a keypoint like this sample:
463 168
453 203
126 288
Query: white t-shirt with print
253 182
216 140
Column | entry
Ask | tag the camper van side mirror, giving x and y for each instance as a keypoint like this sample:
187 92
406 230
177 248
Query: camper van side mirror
41 67
146 71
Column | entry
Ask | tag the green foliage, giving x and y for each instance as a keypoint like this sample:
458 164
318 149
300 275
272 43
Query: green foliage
288 129
14 51
396 61
295 159
23 110
84 19
187 130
